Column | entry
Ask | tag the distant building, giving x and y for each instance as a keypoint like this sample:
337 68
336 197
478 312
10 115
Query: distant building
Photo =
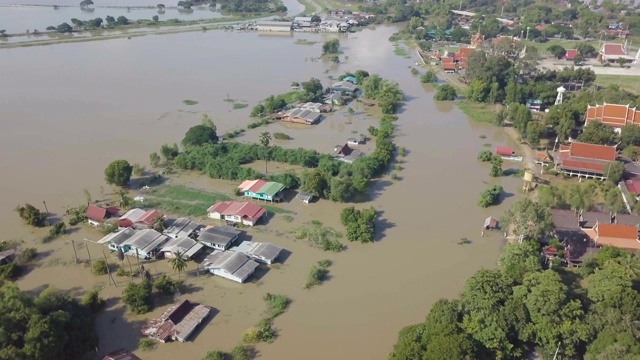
614 115
262 190
139 219
177 323
245 213
570 54
145 244
346 153
302 21
302 116
344 87
611 52
585 160
535 104
305 197
351 79
186 246
620 236
278 26
181 227
230 265
116 239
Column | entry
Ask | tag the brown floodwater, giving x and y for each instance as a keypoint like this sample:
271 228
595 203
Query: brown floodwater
73 108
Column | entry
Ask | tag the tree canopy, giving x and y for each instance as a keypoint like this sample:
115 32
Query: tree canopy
199 135
118 173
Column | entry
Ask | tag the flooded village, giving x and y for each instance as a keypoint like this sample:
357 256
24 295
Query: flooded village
97 102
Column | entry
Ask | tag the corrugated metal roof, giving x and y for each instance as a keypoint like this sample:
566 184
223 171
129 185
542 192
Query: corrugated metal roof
271 188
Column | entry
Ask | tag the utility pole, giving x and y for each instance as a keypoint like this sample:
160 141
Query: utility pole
45 206
73 244
108 270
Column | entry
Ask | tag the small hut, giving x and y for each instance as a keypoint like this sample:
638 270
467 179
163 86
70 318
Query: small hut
305 197
491 223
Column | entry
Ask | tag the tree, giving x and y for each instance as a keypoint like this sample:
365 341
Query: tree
557 51
179 262
123 201
206 121
314 182
535 131
528 219
110 20
32 215
331 47
138 170
154 159
199 135
138 297
613 200
215 355
118 173
478 91
155 18
446 92
598 133
622 61
491 196
578 59
315 19
518 260
166 285
630 135
265 140
496 166
614 171
429 77
64 28
360 224
169 152
586 50
121 20
158 224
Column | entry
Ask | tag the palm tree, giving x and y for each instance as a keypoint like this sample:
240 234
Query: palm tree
123 199
630 264
158 224
265 140
179 262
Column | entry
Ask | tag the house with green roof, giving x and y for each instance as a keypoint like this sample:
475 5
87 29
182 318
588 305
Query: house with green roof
262 190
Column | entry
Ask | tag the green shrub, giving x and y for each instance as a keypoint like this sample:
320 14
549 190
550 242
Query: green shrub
166 285
485 156
317 273
99 267
93 301
429 77
241 352
10 271
27 255
215 355
446 92
490 196
281 136
146 344
262 332
414 71
276 304
138 297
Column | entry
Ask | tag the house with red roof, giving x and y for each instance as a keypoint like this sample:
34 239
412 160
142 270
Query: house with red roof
611 52
448 65
614 115
245 213
570 54
462 56
585 160
620 236
633 186
96 215
139 219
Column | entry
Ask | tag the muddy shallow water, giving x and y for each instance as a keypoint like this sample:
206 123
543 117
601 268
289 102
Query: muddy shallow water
65 118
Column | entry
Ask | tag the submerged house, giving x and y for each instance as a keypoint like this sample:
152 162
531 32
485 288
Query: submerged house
245 213
186 246
219 238
116 239
261 252
182 227
305 197
230 265
177 323
96 215
145 244
302 116
343 87
346 153
262 190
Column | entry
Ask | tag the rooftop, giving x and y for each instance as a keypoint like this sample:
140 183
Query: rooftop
185 245
245 210
117 238
121 355
259 250
146 240
586 157
178 321
234 263
275 23
612 114
344 85
309 115
181 227
565 219
504 151
613 49
99 213
221 236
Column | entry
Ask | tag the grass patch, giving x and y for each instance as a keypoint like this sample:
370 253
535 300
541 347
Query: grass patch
317 273
276 210
400 49
146 344
237 106
478 112
305 42
287 218
629 83
183 201
276 305
320 236
189 102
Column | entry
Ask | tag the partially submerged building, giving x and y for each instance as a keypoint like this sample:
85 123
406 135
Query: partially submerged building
186 246
343 87
585 160
276 26
121 355
181 227
139 219
261 189
230 265
145 244
245 213
116 239
96 215
302 116
265 253
177 323
346 153
219 238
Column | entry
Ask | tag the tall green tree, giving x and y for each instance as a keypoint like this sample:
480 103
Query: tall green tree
179 262
265 140
200 135
598 133
528 219
118 173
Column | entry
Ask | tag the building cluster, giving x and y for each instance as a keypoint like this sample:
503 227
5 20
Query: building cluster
226 255
339 21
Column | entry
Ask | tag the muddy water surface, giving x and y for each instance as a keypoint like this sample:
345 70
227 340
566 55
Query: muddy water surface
95 102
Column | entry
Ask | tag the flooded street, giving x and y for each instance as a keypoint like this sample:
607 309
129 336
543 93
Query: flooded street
73 108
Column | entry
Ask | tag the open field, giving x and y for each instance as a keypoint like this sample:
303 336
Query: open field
630 83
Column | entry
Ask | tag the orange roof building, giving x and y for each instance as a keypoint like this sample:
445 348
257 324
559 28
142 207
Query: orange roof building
585 160
477 40
621 236
462 56
614 115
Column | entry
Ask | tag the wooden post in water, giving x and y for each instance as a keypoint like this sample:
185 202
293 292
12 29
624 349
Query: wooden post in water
109 270
88 253
73 244
45 207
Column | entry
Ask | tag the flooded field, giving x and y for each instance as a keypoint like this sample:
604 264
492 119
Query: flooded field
65 118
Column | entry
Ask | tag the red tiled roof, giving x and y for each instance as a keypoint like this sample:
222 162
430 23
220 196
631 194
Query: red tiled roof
96 213
504 151
570 54
448 66
150 216
447 60
591 151
540 27
586 157
633 186
464 53
613 115
245 210
257 186
617 231
610 49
